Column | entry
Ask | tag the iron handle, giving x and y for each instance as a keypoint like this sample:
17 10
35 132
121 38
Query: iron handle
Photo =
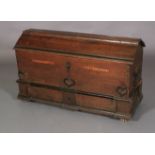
69 82
122 91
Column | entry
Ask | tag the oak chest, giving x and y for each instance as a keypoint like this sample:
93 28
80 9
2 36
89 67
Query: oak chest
85 72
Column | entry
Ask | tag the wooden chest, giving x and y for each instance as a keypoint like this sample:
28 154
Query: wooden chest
85 72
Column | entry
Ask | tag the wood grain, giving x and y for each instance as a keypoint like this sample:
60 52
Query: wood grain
88 72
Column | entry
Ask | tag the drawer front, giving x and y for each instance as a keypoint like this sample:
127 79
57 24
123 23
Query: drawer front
96 103
100 76
80 100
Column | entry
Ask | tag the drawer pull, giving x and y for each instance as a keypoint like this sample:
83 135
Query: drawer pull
122 91
69 82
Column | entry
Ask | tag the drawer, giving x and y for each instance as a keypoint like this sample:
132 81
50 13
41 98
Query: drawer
88 74
80 100
96 102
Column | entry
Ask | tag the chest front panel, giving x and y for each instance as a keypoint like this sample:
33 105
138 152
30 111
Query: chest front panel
86 74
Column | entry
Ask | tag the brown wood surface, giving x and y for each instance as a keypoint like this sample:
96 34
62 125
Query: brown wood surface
88 72
96 45
92 102
100 76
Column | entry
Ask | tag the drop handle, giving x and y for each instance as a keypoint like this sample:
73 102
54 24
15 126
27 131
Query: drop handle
69 82
122 91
